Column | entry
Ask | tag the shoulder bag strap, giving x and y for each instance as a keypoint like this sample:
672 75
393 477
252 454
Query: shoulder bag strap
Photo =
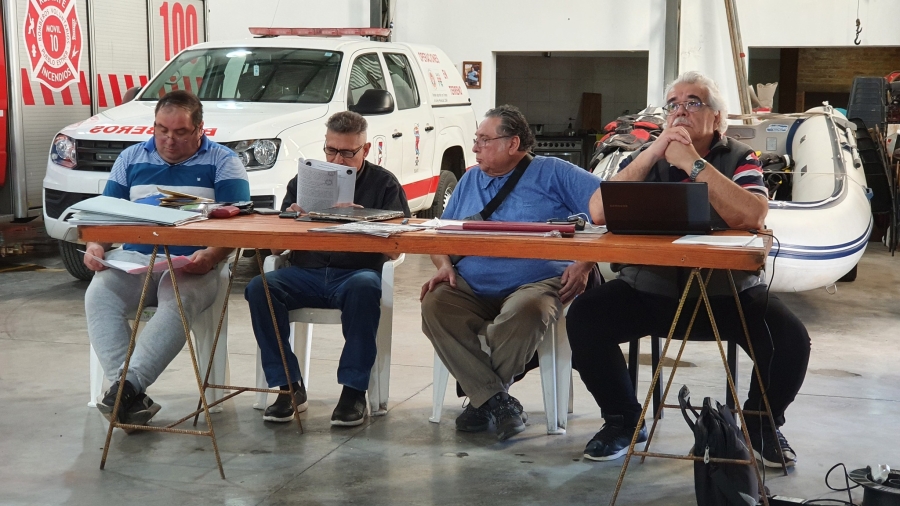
495 202
507 188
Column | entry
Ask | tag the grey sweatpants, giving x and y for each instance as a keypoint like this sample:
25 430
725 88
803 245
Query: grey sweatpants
513 327
112 298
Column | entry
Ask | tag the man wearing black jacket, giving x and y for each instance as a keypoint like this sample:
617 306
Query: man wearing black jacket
350 282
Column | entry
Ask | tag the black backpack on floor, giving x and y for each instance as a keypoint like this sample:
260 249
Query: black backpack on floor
716 435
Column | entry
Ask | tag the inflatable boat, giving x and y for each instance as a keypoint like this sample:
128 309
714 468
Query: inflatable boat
819 208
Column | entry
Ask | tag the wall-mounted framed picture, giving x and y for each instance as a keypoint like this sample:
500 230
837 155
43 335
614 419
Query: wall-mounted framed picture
472 74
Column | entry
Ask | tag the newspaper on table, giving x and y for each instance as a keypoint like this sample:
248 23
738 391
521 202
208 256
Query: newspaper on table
368 228
321 185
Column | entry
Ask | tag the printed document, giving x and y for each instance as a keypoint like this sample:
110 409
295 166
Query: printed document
134 268
321 185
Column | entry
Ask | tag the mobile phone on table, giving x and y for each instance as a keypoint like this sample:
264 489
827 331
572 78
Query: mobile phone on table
266 210
289 214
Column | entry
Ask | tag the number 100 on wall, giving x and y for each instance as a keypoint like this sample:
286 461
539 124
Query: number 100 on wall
179 27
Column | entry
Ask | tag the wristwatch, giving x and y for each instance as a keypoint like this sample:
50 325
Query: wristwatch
698 166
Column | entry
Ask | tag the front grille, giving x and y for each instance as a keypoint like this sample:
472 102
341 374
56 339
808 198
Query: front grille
99 156
55 201
267 201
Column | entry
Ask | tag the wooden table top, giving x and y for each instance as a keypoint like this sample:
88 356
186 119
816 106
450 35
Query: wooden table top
271 232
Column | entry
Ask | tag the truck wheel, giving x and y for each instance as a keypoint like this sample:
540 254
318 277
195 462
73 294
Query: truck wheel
74 260
850 276
445 188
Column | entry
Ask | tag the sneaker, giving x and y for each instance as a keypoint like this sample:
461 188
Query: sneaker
141 410
351 408
508 413
135 409
282 410
769 448
474 419
613 439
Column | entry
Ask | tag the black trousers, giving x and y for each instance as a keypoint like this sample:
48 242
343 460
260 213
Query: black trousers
604 317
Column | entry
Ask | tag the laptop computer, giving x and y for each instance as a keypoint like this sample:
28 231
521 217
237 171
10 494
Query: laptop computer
633 207
353 214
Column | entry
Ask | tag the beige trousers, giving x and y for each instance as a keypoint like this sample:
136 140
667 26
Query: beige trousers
512 326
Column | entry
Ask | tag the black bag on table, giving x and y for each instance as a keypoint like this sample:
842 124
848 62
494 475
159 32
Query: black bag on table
716 435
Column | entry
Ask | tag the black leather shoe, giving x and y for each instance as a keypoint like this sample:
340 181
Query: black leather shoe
350 409
282 410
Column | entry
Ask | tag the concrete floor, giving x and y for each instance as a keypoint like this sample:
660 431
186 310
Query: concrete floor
51 443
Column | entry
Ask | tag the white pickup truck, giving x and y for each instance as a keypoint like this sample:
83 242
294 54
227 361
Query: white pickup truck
268 98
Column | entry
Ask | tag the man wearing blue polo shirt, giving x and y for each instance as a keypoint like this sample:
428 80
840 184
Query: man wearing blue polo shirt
178 157
513 300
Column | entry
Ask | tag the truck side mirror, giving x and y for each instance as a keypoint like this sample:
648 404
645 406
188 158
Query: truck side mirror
374 102
130 93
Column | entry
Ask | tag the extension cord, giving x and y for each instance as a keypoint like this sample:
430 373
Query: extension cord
780 500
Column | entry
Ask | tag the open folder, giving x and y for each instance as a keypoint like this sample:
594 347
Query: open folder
112 211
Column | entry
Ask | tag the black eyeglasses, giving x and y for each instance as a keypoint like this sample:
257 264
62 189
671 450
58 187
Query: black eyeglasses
345 153
689 106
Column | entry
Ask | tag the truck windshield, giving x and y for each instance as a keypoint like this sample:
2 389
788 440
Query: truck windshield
251 75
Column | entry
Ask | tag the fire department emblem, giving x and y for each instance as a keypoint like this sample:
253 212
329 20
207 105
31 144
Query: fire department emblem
378 142
53 40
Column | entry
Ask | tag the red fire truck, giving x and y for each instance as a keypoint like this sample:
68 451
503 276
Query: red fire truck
62 61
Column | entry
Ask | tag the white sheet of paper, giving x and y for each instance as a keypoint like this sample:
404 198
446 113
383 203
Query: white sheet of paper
728 241
133 268
321 185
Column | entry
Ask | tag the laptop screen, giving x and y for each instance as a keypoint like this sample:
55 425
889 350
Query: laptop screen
637 207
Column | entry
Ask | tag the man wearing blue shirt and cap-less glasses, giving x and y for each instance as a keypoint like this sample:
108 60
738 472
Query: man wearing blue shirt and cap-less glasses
513 301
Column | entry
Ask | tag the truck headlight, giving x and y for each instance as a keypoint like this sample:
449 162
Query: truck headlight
256 154
62 151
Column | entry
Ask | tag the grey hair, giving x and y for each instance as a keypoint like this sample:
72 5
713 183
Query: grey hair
513 124
715 100
347 122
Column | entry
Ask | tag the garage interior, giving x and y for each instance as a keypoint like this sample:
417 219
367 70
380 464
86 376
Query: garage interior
847 411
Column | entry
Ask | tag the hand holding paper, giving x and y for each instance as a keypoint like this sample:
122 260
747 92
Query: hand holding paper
321 185
93 258
134 268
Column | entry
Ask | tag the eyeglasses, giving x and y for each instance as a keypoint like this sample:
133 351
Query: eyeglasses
345 153
174 136
689 106
481 142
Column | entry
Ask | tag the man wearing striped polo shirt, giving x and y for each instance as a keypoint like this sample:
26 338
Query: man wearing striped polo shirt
178 157
643 299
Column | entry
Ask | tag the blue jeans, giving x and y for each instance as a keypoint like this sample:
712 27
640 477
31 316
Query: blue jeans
356 292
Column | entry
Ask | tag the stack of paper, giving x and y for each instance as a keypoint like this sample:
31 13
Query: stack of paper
112 211
177 199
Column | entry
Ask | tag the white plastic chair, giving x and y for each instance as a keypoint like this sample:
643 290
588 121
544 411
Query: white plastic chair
379 379
204 329
555 358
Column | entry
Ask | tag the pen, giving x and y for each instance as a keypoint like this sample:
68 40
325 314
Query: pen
405 221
